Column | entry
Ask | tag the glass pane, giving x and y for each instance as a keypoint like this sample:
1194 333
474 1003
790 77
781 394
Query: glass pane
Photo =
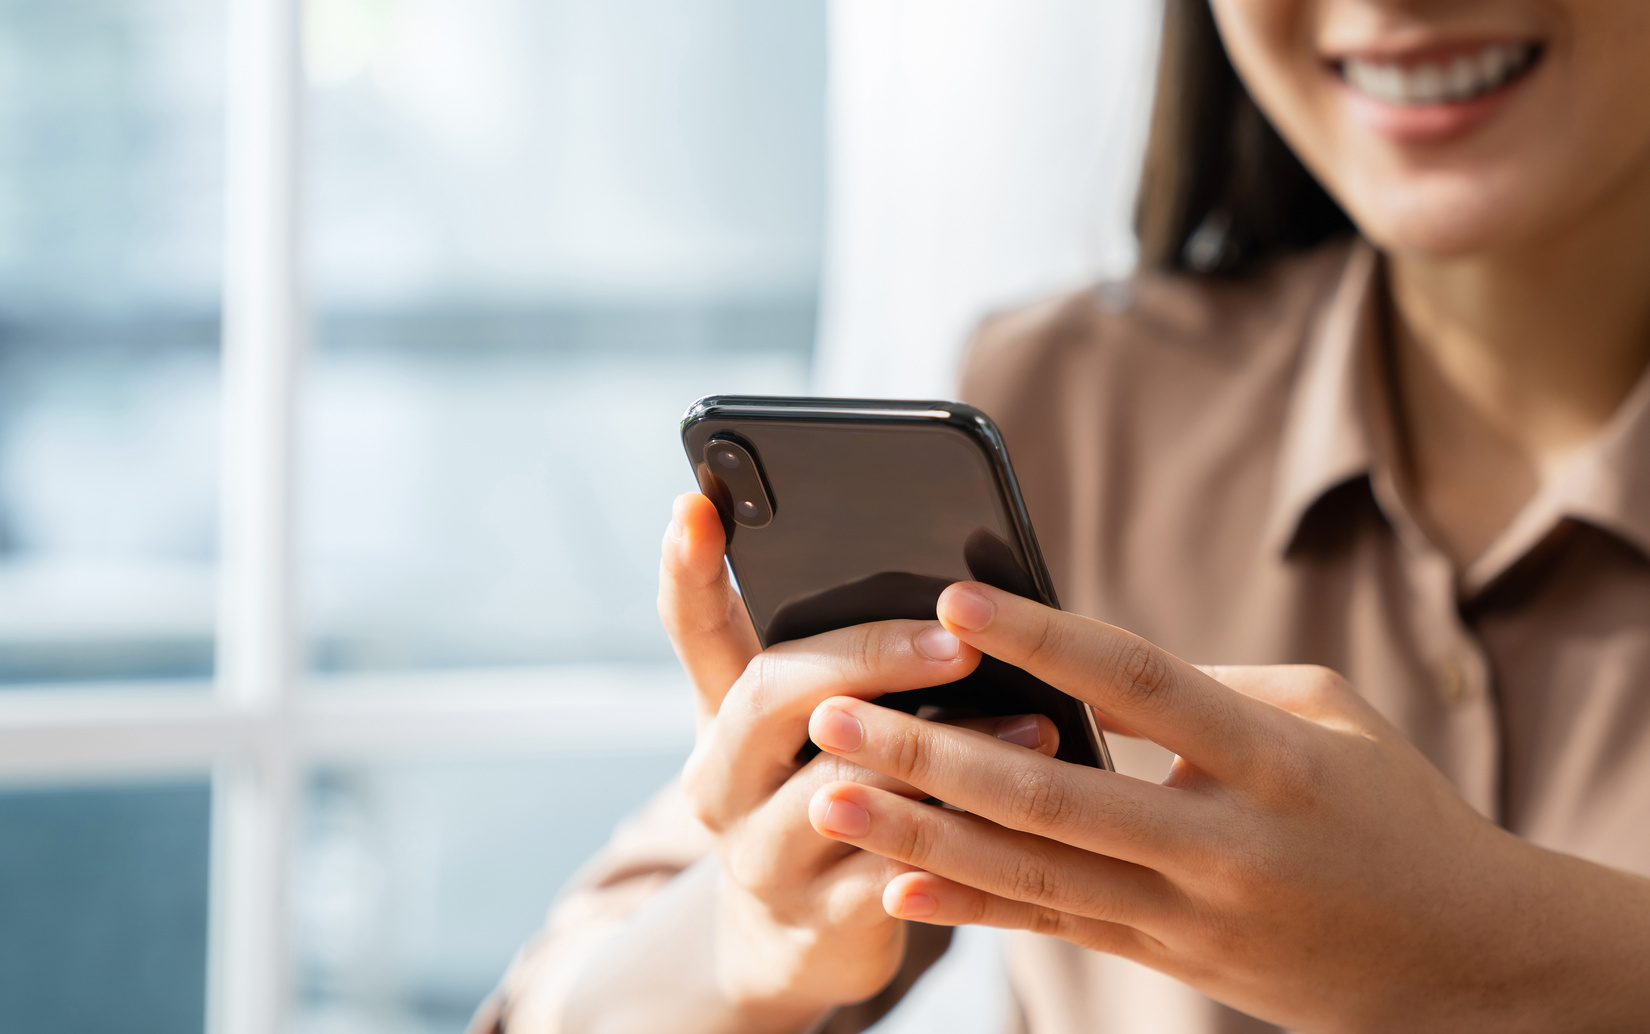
110 225
103 909
539 229
417 883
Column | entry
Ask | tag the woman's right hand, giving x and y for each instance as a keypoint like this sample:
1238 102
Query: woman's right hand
800 923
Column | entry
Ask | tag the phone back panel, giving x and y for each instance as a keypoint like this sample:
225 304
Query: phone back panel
877 507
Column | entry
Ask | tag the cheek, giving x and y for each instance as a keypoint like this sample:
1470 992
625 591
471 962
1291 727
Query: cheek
1577 138
1272 45
1579 141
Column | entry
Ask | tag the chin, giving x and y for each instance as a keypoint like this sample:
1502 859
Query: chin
1440 217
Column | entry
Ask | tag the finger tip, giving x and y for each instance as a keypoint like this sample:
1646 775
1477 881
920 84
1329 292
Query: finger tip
833 726
836 814
1049 736
825 707
1032 731
910 897
695 533
819 807
966 607
816 810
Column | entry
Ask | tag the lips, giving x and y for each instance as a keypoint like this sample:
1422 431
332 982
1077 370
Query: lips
1461 77
1438 94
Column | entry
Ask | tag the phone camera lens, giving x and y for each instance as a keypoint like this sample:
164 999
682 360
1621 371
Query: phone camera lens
727 458
747 510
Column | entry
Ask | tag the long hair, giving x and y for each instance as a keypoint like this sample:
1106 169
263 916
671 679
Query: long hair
1220 192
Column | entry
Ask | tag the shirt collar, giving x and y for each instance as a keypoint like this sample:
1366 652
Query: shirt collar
1605 484
1338 427
1327 440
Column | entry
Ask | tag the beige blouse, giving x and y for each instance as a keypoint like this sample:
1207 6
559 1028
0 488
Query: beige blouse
1212 464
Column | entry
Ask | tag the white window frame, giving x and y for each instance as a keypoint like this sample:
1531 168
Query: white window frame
267 721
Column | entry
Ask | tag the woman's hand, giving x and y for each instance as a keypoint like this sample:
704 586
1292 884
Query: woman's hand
800 927
1302 862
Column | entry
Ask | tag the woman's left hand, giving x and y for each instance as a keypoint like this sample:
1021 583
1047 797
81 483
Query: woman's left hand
1302 862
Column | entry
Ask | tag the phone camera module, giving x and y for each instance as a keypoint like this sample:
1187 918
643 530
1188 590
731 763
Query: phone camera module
733 477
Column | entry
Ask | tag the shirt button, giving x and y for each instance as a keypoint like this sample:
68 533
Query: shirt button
1452 683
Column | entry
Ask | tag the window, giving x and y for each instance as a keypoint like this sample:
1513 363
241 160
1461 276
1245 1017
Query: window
339 372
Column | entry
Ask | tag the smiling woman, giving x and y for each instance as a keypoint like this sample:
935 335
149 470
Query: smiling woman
1369 435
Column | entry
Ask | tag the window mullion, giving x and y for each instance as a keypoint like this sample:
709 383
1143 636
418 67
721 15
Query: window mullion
263 332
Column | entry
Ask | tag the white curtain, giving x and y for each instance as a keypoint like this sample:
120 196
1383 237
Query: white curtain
983 153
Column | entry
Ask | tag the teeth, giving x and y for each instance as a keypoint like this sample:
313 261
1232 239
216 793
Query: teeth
1463 78
1492 63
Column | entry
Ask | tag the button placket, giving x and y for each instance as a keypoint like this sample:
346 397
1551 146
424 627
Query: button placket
1452 683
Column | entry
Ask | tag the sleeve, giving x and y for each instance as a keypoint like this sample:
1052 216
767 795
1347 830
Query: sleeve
647 852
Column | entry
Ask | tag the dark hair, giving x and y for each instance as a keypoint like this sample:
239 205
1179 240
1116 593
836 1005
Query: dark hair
1220 191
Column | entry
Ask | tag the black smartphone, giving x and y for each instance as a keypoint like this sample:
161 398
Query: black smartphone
844 511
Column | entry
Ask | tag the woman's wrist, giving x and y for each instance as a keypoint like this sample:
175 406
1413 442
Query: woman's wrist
659 970
770 979
1574 938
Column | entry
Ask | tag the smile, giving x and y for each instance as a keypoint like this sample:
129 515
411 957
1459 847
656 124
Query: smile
1461 78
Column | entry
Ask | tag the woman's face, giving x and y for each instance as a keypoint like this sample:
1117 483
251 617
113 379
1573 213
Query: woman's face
1451 127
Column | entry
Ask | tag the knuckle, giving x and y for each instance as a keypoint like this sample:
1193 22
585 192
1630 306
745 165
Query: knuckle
1246 870
1037 800
865 649
977 910
786 907
1094 901
741 868
1327 680
1248 874
758 689
1049 644
1050 922
910 754
1031 879
915 844
1144 676
703 804
682 619
750 868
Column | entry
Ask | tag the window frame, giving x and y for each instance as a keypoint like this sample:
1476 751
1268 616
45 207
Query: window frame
267 721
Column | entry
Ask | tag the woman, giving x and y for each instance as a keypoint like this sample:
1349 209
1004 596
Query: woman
1409 443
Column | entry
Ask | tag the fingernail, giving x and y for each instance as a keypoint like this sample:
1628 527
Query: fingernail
967 609
938 644
846 819
1025 731
838 730
917 906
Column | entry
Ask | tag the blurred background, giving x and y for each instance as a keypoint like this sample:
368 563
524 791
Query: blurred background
528 234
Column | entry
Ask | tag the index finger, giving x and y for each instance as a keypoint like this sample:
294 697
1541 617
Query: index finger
1150 690
705 617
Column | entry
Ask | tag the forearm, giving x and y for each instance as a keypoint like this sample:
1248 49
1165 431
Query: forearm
657 971
1584 959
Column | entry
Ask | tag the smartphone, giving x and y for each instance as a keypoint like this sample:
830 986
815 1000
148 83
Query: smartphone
844 511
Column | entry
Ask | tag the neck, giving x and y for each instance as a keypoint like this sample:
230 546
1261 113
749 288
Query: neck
1508 362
